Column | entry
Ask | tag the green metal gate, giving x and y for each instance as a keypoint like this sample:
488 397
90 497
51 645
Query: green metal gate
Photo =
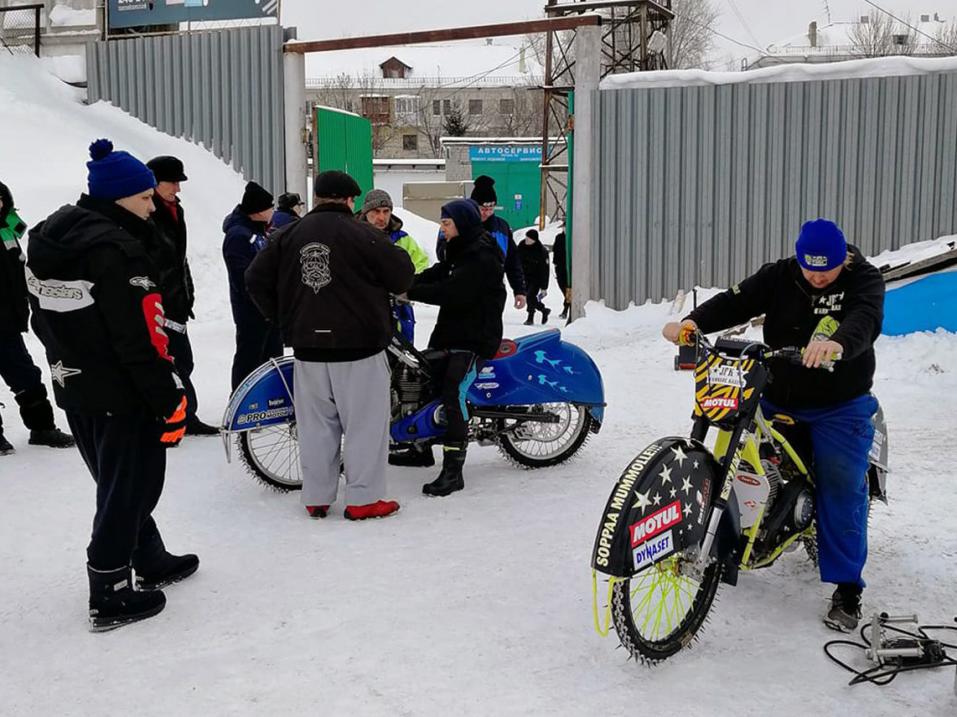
343 141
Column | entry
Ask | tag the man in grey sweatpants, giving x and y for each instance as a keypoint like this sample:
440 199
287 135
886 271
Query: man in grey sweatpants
326 280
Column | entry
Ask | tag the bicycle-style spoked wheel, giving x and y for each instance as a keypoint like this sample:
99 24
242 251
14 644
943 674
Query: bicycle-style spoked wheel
660 610
271 454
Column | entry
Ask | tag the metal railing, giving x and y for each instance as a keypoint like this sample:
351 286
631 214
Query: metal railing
20 29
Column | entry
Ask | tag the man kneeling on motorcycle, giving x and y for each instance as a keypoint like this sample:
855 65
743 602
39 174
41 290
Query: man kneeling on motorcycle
468 287
827 278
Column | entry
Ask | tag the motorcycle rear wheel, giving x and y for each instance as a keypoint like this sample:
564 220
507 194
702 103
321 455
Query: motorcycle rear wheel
539 445
660 610
271 455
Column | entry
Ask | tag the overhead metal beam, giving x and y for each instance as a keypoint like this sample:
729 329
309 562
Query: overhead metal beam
459 33
592 5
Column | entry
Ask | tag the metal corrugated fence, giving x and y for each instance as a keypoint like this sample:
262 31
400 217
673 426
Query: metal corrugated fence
222 89
702 185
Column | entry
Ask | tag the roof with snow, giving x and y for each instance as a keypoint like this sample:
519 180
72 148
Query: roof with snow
467 62
837 37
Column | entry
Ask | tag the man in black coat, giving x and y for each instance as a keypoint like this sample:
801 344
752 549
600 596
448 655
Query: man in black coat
829 299
16 366
257 340
560 260
98 311
468 287
534 258
176 282
326 281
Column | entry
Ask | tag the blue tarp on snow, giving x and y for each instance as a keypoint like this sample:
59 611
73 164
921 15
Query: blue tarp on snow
928 304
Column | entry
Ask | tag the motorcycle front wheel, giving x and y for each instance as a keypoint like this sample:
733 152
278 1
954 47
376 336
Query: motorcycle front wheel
271 455
535 444
661 610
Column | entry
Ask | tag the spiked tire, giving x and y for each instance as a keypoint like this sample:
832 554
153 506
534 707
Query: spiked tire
650 649
536 447
271 455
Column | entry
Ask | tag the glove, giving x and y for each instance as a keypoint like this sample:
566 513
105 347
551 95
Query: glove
175 426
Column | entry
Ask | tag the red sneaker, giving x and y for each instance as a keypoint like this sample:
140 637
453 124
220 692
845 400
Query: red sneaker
317 511
379 509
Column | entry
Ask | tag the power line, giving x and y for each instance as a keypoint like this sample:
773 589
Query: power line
744 23
912 27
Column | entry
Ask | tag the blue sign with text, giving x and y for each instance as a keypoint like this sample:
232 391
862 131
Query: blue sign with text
505 153
146 13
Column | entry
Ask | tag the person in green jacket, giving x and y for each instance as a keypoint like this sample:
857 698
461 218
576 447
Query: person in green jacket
377 211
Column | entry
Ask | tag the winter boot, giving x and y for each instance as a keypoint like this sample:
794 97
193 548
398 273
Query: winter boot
530 321
450 479
379 509
6 448
545 315
317 511
196 427
162 569
53 437
565 307
114 602
845 610
414 457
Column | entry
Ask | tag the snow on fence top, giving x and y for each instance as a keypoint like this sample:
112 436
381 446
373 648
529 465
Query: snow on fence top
851 69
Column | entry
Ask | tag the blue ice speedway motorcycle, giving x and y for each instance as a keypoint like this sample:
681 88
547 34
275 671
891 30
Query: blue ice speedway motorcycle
538 400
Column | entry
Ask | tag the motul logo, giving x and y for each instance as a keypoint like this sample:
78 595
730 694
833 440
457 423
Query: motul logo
709 403
657 522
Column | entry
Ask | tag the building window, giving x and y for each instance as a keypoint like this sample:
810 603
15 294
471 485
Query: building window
376 108
506 107
446 107
475 107
410 142
437 107
407 110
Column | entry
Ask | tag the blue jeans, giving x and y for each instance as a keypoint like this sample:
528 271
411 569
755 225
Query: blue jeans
841 438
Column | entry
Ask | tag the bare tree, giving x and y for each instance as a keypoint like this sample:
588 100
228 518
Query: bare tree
525 119
946 39
690 37
881 35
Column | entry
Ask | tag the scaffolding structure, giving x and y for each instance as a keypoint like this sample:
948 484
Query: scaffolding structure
634 38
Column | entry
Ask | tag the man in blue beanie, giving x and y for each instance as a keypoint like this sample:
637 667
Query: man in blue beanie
468 287
829 299
98 311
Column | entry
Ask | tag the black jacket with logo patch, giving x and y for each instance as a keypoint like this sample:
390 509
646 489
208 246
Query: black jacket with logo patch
326 280
169 255
793 309
97 309
469 289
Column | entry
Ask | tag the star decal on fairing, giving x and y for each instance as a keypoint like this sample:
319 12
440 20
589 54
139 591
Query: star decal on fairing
687 510
672 492
61 373
680 456
642 501
657 499
686 485
665 475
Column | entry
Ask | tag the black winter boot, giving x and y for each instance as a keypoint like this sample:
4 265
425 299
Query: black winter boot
37 415
565 308
53 437
155 567
450 479
530 321
845 610
114 602
545 314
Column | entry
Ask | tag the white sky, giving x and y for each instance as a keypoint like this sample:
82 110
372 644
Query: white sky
768 20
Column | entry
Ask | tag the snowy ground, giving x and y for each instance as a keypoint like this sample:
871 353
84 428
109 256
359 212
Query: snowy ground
475 604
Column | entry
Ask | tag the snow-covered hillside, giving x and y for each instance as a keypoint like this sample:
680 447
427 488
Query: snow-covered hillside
475 604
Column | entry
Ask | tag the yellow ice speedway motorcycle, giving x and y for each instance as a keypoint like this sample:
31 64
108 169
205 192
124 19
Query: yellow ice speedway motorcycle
682 518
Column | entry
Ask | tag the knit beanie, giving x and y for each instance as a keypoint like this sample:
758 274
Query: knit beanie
114 175
333 184
376 199
255 199
533 233
821 246
484 190
465 214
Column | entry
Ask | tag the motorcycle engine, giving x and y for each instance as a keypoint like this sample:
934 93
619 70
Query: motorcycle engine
409 387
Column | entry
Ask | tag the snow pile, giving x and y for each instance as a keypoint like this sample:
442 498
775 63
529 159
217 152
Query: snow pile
63 16
46 133
913 253
851 69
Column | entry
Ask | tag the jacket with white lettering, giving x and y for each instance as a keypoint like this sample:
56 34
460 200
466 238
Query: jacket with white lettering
98 312
793 309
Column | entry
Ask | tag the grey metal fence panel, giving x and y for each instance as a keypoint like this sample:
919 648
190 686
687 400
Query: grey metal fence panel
221 89
702 185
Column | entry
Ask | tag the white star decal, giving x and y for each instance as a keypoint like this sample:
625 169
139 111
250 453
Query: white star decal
695 464
642 501
687 510
665 474
61 373
657 499
686 486
673 491
680 456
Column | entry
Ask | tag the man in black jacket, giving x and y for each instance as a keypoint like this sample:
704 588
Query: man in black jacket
829 299
326 281
469 289
176 282
560 259
534 257
97 310
16 366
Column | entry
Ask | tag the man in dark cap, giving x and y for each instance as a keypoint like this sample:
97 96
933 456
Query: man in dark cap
97 309
176 282
483 194
326 281
257 340
289 209
16 366
467 287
